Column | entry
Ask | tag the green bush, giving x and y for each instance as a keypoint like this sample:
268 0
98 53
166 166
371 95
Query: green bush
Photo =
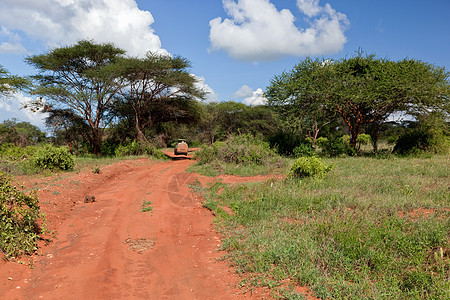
304 150
19 213
309 167
11 152
133 148
335 146
415 141
50 157
243 149
154 152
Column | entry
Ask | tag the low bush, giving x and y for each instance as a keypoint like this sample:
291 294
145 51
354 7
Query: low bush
415 141
19 214
155 153
133 148
334 147
305 149
241 149
50 157
242 155
309 167
9 151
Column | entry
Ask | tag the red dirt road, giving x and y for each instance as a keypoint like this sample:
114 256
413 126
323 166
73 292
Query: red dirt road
110 249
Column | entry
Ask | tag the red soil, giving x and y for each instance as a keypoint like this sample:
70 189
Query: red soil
110 249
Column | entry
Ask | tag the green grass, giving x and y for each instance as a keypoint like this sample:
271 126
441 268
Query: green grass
371 229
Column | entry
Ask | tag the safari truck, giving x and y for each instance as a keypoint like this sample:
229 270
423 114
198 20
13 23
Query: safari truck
181 148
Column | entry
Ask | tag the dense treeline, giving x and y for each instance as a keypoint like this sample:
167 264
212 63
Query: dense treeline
97 99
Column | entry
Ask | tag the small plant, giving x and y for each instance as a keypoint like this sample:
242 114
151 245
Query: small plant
309 167
146 206
96 170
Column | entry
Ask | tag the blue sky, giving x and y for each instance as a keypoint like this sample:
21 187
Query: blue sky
235 47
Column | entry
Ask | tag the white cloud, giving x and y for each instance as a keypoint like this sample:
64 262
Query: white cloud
257 31
243 92
250 96
211 96
64 22
12 107
12 43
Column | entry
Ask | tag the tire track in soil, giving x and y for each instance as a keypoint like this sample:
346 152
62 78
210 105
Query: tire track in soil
109 249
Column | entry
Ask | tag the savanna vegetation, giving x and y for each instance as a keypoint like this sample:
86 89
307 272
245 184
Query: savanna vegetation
361 146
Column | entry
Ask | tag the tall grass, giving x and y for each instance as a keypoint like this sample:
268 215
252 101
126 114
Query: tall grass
372 229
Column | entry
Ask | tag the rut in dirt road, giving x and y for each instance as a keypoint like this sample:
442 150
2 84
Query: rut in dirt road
110 249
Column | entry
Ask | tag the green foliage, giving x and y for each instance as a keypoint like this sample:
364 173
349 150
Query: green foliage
309 167
11 152
81 77
50 157
416 141
285 142
361 90
10 83
155 153
146 206
304 149
334 146
133 148
242 155
243 149
19 215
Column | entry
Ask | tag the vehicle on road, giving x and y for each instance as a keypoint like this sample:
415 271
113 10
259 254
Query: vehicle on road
181 148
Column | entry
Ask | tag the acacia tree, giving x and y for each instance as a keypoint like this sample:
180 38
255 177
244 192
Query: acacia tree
154 87
78 78
362 90
367 90
300 97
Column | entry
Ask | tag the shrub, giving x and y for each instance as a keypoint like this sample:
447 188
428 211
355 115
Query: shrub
133 148
415 141
363 139
335 146
243 149
11 152
154 152
309 167
50 157
19 214
304 150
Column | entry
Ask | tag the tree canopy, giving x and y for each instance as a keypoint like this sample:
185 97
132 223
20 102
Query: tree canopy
10 83
157 88
361 90
77 78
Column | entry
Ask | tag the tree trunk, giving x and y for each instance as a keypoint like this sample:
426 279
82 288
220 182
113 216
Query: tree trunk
354 131
96 141
140 136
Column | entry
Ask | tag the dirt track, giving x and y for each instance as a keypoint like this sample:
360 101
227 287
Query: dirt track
110 249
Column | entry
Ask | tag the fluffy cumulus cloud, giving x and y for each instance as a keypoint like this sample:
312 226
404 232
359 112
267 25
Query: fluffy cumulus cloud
211 96
251 97
258 31
64 22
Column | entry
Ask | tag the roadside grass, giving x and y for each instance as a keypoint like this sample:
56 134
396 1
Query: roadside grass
371 229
